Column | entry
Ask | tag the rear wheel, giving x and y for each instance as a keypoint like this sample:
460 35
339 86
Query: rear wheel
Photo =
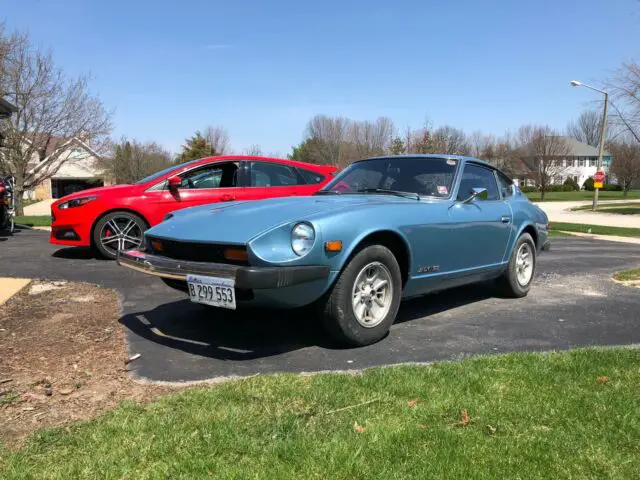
364 302
516 280
118 231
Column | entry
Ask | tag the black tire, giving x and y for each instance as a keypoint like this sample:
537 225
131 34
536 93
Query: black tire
508 284
338 314
118 216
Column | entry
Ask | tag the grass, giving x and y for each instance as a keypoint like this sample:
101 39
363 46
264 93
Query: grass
594 229
558 415
630 208
34 220
581 195
628 275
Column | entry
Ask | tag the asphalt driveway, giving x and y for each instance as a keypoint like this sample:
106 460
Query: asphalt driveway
574 303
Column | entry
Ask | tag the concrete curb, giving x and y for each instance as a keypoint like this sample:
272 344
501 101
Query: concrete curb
44 229
610 238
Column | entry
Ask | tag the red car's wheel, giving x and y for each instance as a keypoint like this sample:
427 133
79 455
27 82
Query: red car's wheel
118 231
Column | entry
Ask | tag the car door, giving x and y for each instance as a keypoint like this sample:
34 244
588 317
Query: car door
481 226
210 183
273 179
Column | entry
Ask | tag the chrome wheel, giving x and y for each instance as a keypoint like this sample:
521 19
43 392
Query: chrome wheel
120 233
372 294
524 264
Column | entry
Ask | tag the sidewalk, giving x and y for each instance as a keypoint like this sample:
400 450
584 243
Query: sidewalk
10 286
40 208
561 212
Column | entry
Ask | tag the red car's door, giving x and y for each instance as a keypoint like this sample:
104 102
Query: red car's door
210 183
272 179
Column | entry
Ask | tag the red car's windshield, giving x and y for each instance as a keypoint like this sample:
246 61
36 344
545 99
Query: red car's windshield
161 173
422 176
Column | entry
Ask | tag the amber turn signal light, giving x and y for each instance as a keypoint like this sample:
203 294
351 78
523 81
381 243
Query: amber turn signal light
333 246
157 246
235 254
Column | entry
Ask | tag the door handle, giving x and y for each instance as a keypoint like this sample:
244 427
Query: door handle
505 219
227 198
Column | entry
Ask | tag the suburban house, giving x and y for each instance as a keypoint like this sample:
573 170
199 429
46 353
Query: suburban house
6 110
68 165
580 164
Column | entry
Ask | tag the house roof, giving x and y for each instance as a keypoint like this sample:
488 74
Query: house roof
579 149
6 108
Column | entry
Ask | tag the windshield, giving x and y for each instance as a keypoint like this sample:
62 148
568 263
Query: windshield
419 175
161 173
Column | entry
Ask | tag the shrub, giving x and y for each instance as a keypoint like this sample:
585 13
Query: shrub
526 189
570 182
607 187
588 184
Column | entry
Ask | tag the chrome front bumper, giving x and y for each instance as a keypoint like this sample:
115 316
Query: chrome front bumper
244 276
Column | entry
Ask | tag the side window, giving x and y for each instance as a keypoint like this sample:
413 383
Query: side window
310 177
265 174
505 185
475 176
217 175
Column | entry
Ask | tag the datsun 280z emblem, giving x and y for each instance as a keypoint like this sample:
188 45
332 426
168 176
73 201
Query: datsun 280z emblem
429 269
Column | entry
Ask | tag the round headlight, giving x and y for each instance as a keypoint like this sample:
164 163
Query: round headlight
302 238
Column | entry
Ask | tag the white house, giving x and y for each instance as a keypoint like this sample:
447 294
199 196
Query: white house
580 164
70 165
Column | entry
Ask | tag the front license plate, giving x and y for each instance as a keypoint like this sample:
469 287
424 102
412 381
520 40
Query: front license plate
214 291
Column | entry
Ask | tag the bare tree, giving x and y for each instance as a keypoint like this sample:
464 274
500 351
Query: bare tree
331 134
371 138
450 140
129 161
218 138
625 166
544 150
625 92
586 128
52 110
254 149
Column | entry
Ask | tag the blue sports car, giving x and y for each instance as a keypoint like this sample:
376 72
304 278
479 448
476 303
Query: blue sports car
384 229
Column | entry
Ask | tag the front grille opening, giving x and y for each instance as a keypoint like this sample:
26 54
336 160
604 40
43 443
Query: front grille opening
190 251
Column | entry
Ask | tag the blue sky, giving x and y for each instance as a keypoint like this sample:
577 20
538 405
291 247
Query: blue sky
263 68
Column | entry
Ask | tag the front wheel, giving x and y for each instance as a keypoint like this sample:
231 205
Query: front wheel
364 302
516 280
118 231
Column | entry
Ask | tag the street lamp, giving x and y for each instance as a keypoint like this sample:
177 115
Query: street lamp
603 130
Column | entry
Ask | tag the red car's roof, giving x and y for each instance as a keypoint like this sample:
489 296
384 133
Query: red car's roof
311 166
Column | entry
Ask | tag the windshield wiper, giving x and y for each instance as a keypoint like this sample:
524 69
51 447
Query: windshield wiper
327 192
390 192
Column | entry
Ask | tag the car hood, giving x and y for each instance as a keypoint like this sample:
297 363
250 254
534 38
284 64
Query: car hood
239 222
111 190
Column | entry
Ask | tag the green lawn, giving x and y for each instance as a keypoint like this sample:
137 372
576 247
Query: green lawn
595 229
628 275
581 195
34 221
558 415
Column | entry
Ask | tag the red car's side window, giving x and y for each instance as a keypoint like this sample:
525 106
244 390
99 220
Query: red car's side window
265 174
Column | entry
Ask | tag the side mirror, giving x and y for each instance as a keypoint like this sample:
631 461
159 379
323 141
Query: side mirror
174 182
476 192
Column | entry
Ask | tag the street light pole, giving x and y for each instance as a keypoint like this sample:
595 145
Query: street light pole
603 131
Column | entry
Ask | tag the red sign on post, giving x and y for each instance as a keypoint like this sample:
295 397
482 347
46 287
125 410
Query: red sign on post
598 179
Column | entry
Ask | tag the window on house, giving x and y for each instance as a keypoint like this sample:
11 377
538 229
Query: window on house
581 162
594 161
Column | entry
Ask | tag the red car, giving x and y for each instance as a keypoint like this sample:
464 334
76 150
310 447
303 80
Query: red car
115 217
